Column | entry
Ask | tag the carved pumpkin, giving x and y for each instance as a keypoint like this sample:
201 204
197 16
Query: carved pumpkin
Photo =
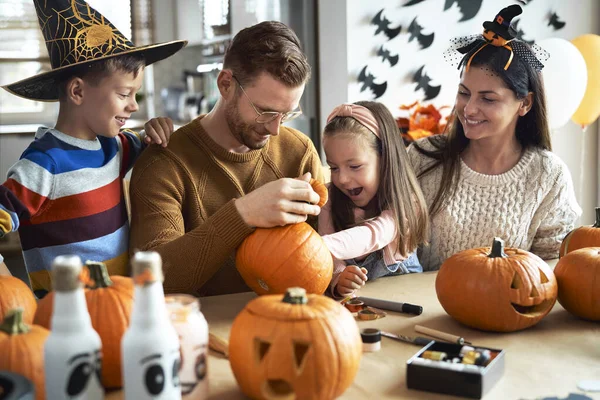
109 301
273 259
504 290
22 349
294 347
578 276
584 236
14 293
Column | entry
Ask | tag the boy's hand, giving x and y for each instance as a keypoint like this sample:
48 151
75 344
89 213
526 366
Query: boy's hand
159 130
351 279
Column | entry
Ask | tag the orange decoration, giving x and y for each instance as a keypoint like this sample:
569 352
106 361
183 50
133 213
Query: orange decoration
497 289
424 121
109 303
578 276
321 190
14 293
22 349
295 346
584 236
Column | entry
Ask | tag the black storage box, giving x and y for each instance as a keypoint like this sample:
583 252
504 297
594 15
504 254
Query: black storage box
453 378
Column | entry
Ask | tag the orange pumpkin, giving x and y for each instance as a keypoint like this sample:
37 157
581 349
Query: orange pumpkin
294 347
109 301
22 349
584 236
578 276
504 290
14 293
271 260
321 190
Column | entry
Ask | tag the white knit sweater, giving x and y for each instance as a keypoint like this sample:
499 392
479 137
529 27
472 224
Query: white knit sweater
531 207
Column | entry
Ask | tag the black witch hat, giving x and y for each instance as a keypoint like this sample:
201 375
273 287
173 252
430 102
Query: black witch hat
76 34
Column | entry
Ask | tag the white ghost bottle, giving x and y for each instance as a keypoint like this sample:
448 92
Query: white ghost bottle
192 329
150 346
72 352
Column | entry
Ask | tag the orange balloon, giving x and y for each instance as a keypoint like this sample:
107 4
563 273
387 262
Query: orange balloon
589 109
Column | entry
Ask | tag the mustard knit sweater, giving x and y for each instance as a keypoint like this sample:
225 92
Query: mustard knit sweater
182 203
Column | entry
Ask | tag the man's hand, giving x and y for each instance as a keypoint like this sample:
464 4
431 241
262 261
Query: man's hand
159 130
278 203
351 279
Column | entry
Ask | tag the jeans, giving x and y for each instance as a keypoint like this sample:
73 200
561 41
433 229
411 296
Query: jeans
376 267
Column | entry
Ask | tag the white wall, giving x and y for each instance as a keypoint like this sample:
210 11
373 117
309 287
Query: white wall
352 18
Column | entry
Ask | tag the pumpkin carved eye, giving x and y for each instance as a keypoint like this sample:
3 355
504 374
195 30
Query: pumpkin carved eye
262 347
517 282
300 350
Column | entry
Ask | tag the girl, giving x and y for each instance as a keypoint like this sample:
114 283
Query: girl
376 215
493 173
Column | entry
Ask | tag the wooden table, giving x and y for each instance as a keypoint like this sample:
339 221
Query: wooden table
546 360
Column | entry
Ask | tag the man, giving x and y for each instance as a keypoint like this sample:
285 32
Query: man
230 171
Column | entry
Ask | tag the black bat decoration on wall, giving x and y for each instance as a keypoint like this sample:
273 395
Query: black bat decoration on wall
422 81
412 3
555 22
385 55
415 32
383 24
367 80
524 2
520 33
468 8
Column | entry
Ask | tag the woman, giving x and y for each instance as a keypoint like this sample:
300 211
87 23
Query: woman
493 173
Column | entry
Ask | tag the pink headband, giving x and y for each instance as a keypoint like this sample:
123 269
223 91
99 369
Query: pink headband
359 113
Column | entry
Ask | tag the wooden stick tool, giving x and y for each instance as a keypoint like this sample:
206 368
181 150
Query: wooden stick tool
441 335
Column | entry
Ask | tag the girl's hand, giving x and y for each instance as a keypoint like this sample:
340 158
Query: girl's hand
351 279
159 130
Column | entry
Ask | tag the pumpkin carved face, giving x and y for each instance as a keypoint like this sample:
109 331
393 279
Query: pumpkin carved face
298 347
503 290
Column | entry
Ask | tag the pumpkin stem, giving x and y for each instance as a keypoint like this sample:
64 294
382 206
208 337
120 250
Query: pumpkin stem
497 248
13 323
597 223
295 295
98 275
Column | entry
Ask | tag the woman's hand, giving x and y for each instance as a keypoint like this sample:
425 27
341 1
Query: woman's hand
351 279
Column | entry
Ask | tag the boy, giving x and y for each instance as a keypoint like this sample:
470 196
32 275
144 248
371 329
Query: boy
65 194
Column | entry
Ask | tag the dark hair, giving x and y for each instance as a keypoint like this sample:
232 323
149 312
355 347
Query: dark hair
270 47
531 130
398 189
95 71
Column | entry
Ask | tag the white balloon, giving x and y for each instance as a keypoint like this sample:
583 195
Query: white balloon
565 80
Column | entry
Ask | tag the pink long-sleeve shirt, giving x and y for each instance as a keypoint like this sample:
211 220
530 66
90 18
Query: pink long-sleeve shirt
372 235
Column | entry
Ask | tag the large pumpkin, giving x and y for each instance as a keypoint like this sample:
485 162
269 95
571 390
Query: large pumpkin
22 349
584 236
294 347
273 259
578 276
109 301
14 293
501 290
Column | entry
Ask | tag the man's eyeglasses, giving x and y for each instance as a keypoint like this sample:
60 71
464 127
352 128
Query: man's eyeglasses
267 116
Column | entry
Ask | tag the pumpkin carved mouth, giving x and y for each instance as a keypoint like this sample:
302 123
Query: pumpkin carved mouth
278 389
533 311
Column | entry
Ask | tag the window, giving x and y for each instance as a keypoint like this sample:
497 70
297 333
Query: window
23 54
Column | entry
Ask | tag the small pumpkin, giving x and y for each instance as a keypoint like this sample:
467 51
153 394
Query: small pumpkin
22 349
501 290
109 302
294 346
321 190
14 293
584 236
578 276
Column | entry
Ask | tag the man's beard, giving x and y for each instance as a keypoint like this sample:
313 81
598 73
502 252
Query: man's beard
242 131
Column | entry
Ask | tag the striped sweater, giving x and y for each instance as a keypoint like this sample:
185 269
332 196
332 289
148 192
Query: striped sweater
65 196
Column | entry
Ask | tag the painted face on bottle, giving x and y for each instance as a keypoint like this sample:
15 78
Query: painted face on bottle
160 374
193 371
83 378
